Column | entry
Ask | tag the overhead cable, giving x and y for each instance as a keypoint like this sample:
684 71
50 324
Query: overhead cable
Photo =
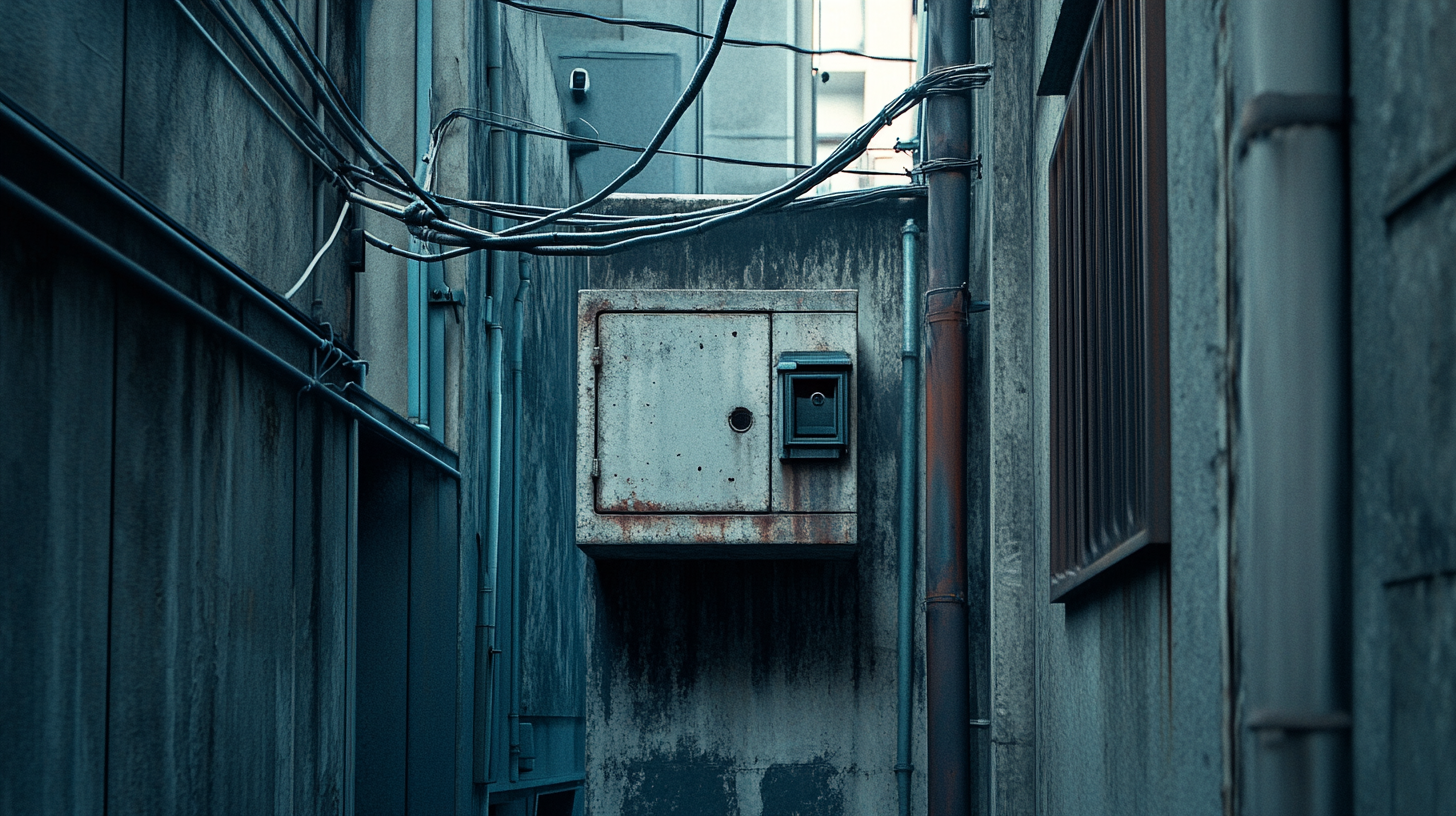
257 95
673 28
627 233
415 256
424 214
845 199
312 67
325 248
531 128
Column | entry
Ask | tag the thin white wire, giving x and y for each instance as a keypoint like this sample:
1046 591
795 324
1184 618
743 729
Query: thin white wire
320 253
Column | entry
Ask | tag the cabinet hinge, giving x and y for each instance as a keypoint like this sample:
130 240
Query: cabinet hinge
596 468
596 356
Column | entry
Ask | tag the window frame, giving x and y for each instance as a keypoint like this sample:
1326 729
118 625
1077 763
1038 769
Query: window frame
1110 472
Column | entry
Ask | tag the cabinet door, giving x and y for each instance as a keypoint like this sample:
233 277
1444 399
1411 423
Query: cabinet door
666 390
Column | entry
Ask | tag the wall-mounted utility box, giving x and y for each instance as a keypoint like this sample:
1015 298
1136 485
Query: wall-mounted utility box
716 424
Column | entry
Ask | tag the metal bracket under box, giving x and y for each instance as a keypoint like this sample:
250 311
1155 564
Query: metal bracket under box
716 423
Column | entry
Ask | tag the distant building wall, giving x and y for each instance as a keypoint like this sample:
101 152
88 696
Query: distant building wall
747 109
761 104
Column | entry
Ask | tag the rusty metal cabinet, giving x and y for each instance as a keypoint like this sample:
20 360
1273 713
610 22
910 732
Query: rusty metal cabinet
681 431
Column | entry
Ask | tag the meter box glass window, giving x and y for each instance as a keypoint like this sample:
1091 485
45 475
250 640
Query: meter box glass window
716 424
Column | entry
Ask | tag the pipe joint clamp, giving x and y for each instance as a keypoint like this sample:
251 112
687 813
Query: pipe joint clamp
951 303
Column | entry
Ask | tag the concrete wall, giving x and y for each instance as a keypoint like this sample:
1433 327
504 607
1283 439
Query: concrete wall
140 90
1111 703
1403 368
762 687
1144 694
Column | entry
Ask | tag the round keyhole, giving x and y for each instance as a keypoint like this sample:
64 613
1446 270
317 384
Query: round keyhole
817 399
740 419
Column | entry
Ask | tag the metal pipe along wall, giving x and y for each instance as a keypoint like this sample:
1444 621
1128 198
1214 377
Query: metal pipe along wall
947 304
909 428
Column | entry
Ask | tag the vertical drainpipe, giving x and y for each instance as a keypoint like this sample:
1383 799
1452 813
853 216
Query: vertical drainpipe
922 45
909 433
487 611
518 343
1293 530
947 305
320 47
416 273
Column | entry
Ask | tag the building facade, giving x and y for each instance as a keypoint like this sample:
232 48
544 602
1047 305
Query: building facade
1268 650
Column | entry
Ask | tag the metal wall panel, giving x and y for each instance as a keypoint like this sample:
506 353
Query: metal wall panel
434 639
1402 150
1422 698
320 609
383 630
55 526
667 385
201 625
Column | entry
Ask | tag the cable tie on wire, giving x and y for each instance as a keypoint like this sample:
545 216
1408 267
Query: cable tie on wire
944 165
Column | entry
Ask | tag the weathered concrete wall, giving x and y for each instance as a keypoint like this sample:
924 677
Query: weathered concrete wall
1111 703
1138 688
65 63
1016 582
762 687
140 91
1198 343
1403 367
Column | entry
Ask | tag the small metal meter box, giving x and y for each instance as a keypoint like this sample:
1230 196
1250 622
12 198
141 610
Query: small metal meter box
716 424
814 393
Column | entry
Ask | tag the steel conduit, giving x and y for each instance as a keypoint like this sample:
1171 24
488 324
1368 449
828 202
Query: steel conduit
947 304
909 432
90 243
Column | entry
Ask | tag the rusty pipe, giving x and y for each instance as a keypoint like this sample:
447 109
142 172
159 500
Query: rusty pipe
947 305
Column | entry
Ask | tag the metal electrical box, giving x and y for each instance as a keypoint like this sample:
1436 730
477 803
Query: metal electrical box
716 424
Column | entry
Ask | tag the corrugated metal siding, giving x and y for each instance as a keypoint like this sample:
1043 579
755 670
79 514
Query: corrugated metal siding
205 609
55 526
182 516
